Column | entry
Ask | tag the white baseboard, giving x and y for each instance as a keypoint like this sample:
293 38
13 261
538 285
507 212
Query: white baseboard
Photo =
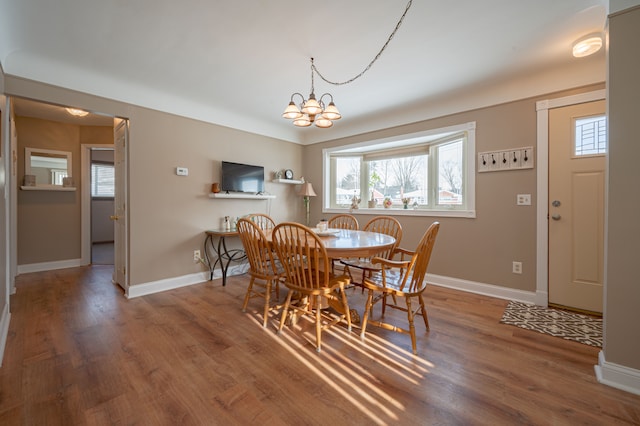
481 288
4 329
617 376
166 284
49 266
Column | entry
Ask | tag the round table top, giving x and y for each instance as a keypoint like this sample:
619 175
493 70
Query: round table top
351 243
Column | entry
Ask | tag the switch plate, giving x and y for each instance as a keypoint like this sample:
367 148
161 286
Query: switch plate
196 255
182 171
523 199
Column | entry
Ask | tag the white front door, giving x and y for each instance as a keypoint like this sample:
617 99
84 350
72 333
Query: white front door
121 141
577 149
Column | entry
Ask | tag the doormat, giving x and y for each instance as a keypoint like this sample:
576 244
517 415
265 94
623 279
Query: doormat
568 325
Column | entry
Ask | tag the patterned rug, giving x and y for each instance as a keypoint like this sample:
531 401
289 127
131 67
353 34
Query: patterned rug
568 325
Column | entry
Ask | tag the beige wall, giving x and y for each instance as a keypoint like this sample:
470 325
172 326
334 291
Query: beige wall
481 249
622 301
49 221
169 213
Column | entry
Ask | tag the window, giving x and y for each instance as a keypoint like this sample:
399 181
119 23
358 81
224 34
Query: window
590 136
428 173
102 180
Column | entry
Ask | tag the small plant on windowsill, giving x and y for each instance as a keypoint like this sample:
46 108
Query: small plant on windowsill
405 202
387 202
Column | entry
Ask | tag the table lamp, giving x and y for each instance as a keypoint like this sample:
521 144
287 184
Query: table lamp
307 191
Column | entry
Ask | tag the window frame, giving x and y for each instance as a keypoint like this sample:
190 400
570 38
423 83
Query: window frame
413 139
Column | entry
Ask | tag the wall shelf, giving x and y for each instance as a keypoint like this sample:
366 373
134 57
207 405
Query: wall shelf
244 196
47 188
289 181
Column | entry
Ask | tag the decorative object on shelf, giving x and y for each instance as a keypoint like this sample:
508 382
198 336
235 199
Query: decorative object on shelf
67 182
307 191
355 201
316 111
288 174
387 202
405 202
415 205
215 187
277 175
227 223
29 180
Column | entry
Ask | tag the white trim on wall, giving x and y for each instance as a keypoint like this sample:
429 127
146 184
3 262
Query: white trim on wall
617 376
5 319
49 266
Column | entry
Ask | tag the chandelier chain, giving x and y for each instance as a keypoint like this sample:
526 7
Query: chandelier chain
351 80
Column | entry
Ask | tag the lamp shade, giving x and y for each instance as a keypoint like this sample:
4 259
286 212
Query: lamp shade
307 190
291 111
587 45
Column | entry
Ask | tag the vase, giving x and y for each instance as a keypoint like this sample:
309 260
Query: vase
405 207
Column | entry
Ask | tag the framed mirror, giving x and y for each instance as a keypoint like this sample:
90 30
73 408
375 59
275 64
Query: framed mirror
49 167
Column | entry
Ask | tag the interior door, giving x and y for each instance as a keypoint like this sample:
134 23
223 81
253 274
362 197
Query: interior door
577 149
121 256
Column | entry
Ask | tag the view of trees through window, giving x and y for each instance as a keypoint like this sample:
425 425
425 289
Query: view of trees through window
401 179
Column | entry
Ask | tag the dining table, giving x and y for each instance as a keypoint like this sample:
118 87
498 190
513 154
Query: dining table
339 243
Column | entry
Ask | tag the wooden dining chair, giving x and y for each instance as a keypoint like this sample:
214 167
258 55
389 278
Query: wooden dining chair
265 272
383 225
401 279
264 221
306 265
343 221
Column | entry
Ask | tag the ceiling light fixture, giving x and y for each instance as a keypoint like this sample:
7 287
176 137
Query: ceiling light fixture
77 112
587 45
311 108
314 110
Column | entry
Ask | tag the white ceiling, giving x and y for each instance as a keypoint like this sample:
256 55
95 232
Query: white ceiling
236 63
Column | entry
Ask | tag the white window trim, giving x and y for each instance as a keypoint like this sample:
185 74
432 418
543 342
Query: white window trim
469 184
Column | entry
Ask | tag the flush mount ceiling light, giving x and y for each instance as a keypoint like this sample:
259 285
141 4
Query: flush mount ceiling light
587 45
77 112
316 111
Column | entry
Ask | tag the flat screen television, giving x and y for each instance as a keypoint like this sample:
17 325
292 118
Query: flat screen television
237 177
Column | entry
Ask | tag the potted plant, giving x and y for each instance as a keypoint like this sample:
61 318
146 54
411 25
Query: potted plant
405 202
373 180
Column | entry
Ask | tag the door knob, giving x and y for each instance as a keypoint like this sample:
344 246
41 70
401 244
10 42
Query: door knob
556 217
555 203
113 217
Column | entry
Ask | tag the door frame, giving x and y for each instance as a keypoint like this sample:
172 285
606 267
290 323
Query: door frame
542 183
85 216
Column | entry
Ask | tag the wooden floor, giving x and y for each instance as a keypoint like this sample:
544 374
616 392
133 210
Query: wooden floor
80 353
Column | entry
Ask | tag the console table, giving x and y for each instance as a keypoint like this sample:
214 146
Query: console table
215 245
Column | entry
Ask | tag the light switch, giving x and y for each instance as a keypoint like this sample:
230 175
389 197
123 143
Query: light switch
523 199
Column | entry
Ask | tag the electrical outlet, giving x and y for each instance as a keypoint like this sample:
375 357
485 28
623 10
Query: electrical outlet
517 268
196 255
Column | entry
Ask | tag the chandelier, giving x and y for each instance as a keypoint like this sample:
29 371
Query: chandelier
311 110
316 111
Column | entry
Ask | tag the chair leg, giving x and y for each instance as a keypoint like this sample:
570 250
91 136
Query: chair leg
285 310
424 312
318 323
412 327
368 308
345 305
246 296
267 297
